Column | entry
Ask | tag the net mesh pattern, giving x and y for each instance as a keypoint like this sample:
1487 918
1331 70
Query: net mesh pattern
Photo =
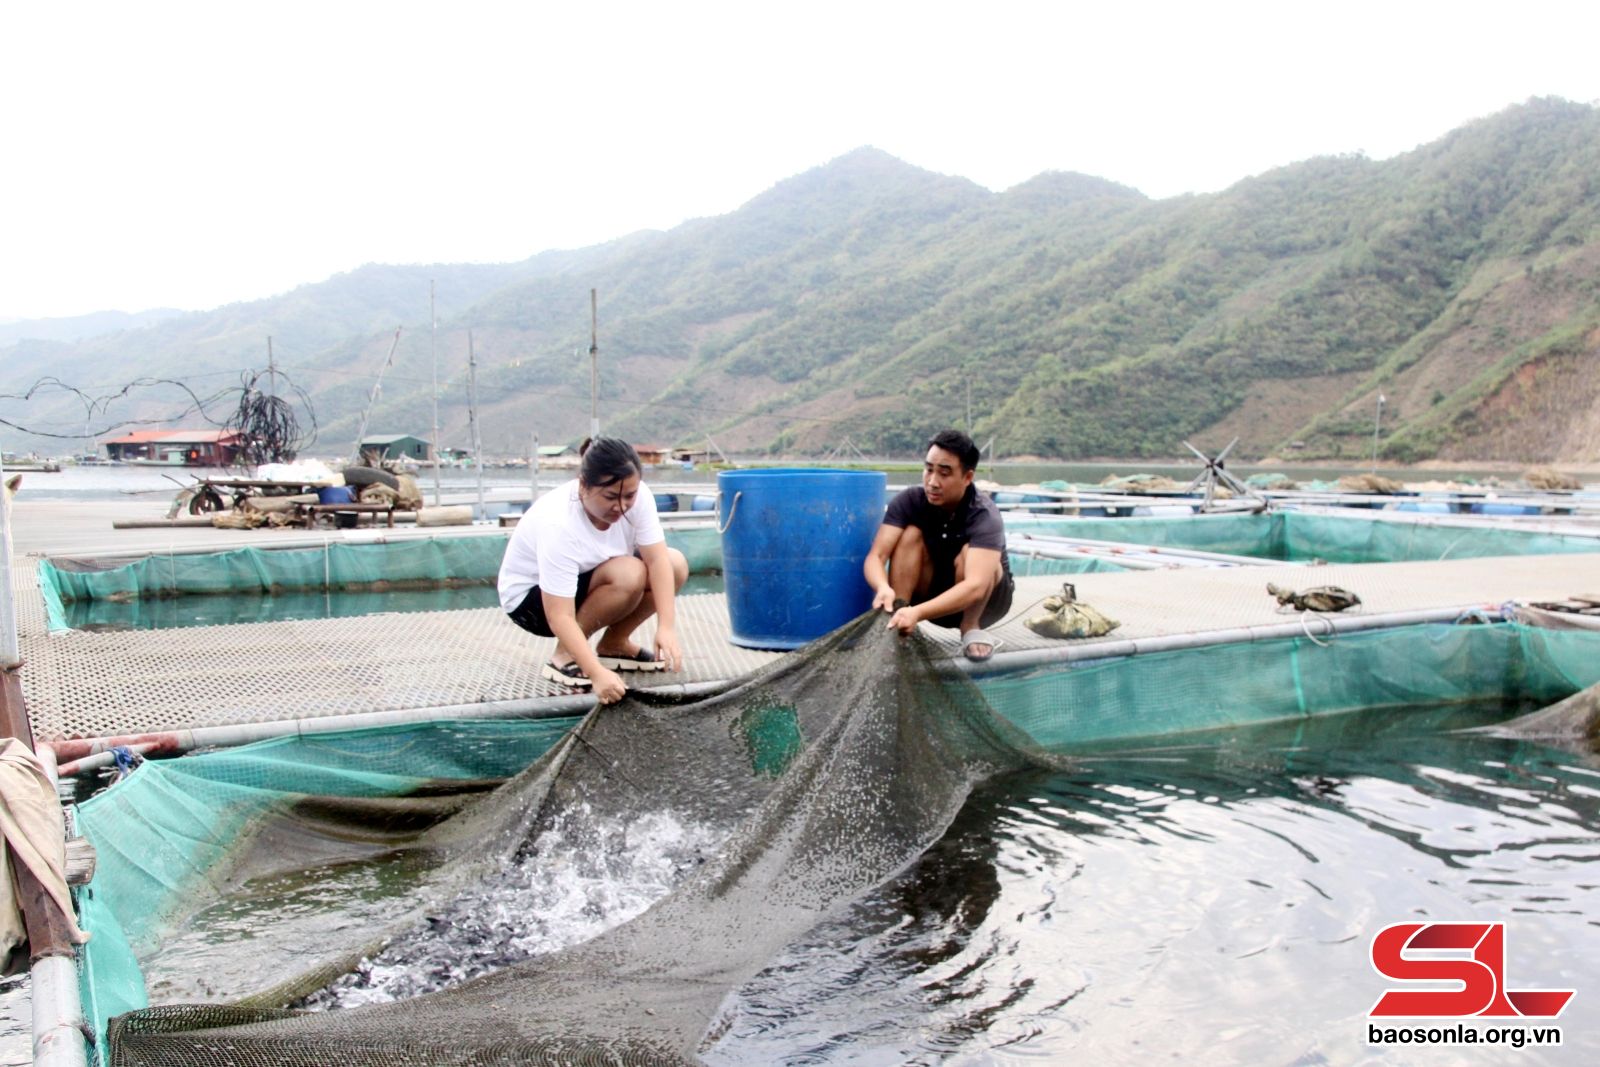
832 770
104 684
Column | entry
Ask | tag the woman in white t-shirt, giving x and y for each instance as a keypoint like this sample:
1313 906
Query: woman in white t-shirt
589 556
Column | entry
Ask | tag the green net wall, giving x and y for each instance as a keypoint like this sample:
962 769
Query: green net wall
1297 537
1146 696
356 567
1024 566
334 565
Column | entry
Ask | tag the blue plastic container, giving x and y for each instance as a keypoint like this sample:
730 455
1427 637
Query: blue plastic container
336 494
666 502
1489 508
703 503
793 542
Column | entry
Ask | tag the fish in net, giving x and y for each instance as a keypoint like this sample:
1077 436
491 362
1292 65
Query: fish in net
832 770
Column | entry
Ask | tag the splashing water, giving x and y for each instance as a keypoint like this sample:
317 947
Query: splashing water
577 879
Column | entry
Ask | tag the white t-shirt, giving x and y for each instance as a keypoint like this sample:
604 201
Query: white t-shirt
554 542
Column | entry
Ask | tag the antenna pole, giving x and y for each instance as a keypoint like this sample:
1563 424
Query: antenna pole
372 398
594 364
472 412
1376 420
433 354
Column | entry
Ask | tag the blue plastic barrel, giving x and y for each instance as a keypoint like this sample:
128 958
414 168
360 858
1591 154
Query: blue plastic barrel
336 494
666 502
703 503
793 542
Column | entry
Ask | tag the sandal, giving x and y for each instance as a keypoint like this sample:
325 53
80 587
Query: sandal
642 660
568 674
978 637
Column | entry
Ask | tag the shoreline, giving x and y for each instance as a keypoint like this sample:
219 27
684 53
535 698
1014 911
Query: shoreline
1498 466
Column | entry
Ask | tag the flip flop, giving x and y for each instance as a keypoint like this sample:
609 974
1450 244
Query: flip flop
642 660
978 637
569 674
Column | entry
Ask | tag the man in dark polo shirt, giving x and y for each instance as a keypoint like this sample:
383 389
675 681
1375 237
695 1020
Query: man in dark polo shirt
942 549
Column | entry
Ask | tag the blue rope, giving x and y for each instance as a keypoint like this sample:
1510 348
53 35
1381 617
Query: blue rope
126 759
1506 612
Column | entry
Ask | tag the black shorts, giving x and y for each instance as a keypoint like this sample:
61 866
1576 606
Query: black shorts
530 613
993 612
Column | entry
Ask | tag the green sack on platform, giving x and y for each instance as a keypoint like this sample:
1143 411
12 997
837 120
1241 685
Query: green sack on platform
1064 616
1317 598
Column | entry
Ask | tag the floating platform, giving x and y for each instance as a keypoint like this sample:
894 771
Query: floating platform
476 663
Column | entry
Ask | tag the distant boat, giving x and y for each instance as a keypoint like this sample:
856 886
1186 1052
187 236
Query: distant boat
31 462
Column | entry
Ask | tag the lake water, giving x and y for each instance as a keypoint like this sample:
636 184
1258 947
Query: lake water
1213 904
159 485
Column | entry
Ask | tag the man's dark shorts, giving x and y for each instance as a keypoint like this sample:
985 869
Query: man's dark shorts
993 612
530 613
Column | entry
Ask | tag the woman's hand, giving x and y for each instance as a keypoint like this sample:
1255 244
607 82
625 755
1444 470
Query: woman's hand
608 686
884 601
668 651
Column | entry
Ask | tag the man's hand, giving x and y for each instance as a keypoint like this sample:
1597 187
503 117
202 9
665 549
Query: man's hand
608 686
884 601
905 619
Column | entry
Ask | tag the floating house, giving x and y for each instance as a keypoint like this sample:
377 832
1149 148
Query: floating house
181 448
397 446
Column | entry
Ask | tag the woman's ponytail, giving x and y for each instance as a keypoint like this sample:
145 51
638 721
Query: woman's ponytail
606 461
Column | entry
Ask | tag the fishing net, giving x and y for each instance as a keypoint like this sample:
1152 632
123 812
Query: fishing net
827 773
1574 721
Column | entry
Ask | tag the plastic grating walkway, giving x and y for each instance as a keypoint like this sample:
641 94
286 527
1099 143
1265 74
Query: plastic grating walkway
102 684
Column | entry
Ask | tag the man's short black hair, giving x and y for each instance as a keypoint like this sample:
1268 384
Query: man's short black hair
958 444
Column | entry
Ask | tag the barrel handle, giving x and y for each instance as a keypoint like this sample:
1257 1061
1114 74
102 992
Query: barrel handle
733 509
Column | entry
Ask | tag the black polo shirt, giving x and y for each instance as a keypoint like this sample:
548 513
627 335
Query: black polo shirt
975 521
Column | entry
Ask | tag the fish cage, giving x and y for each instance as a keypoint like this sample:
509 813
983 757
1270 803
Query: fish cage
1299 537
224 837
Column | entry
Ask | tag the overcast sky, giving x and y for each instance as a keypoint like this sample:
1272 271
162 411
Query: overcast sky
163 154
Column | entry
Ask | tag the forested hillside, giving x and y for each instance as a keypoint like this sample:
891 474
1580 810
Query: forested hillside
872 301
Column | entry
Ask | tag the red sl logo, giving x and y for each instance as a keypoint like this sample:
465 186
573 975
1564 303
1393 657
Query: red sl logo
1482 973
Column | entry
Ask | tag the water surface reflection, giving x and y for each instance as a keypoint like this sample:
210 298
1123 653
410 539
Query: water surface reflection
1211 903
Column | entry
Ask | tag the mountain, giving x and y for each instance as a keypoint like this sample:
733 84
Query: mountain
871 300
80 327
